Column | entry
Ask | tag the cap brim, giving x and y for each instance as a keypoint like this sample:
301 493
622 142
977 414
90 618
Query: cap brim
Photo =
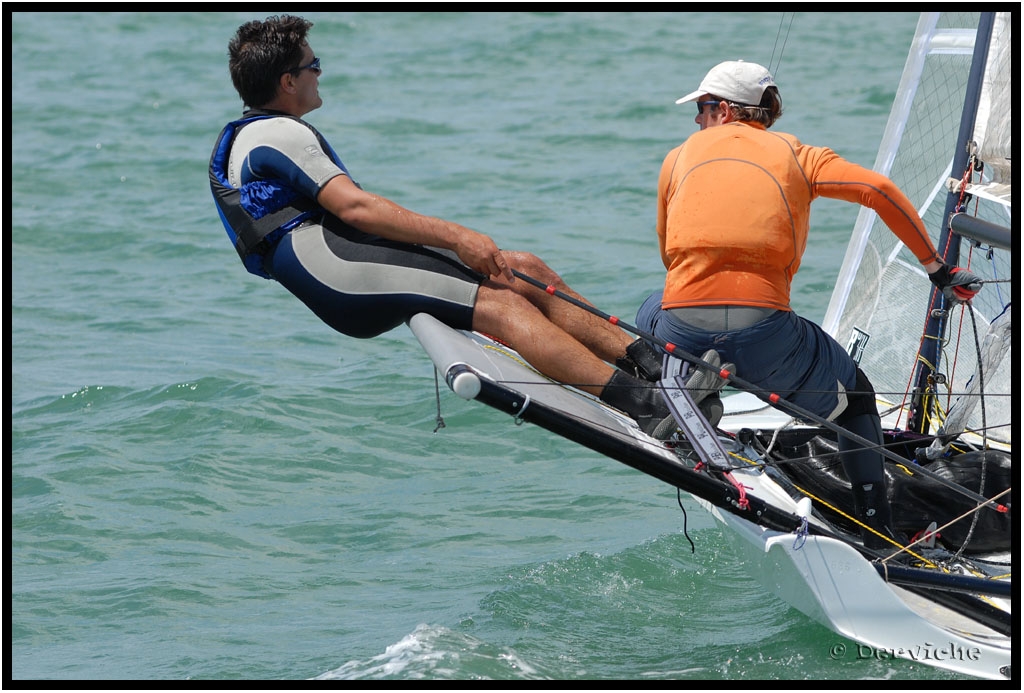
693 96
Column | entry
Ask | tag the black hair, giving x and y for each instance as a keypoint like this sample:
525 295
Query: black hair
260 52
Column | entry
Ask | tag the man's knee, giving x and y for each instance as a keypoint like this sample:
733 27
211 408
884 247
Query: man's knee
530 264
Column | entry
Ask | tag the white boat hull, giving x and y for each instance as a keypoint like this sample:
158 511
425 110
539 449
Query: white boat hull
829 581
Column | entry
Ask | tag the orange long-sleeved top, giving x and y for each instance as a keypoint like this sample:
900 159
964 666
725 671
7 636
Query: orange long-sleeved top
734 205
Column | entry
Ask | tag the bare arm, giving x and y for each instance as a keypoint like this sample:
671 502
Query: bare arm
378 215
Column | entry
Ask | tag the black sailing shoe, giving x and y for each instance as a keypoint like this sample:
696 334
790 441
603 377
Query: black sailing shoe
641 361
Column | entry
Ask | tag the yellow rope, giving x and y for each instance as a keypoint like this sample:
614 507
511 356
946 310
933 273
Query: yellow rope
852 519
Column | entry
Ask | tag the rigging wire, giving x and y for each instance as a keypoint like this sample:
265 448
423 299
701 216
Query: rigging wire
984 461
782 20
753 390
932 412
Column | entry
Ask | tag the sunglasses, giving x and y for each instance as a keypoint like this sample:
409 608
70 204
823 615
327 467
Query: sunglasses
314 66
702 104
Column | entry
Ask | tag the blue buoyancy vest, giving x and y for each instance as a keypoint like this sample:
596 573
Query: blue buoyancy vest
259 213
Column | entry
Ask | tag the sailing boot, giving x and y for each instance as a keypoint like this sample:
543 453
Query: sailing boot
705 385
638 398
713 409
642 361
864 467
871 506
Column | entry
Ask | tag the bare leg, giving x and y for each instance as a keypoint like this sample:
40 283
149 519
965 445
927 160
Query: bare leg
602 338
502 312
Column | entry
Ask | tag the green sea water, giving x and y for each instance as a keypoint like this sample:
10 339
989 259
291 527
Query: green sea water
207 483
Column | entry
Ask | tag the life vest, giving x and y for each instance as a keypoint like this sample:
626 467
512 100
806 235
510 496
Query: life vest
259 213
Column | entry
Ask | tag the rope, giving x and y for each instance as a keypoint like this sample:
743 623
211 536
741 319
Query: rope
439 422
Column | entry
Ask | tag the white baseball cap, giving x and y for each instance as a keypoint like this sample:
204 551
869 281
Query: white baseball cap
736 81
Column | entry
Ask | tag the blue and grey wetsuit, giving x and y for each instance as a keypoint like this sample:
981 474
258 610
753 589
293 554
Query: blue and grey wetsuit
266 172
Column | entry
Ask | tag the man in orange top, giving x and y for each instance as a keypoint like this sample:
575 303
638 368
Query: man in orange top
733 217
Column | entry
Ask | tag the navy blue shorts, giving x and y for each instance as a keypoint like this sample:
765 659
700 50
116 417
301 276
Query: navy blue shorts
783 354
364 285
